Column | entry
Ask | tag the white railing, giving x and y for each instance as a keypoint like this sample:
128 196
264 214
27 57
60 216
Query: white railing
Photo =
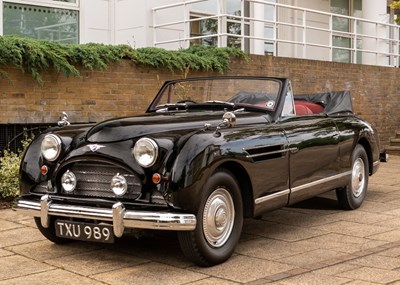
286 31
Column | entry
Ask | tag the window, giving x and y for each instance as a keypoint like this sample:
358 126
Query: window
204 22
202 27
233 23
47 23
288 107
269 28
343 43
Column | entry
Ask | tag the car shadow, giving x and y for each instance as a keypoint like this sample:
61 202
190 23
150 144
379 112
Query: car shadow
318 203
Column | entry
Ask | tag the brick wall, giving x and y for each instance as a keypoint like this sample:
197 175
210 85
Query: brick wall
125 89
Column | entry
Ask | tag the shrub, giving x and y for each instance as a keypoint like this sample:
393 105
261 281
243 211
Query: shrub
36 56
9 170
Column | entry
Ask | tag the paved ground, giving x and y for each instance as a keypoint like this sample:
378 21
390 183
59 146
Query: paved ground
312 243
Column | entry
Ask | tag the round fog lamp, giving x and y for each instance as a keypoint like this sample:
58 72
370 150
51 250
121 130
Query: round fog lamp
119 185
68 181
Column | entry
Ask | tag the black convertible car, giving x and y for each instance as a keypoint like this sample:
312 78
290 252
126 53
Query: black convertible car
207 153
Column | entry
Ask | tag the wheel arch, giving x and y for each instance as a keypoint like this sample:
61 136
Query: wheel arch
366 145
242 177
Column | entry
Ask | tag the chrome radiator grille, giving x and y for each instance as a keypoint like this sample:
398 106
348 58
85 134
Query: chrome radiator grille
94 179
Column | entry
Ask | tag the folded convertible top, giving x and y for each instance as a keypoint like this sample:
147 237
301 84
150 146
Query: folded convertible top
335 103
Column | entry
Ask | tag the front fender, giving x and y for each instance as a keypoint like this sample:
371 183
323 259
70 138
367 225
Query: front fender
32 161
197 160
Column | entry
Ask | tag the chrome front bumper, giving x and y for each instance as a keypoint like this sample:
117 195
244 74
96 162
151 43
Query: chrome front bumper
118 215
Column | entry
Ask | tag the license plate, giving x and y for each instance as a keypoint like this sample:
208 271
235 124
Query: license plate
84 231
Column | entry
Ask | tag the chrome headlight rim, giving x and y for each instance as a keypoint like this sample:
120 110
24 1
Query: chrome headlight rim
138 155
57 144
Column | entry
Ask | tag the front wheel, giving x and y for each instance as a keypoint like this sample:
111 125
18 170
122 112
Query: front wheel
352 196
219 222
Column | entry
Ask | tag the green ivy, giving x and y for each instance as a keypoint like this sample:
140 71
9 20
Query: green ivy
34 57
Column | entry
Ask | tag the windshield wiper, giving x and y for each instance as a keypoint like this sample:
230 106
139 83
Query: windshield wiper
220 102
171 107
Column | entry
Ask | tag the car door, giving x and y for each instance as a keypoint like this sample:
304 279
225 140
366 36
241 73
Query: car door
313 156
314 151
268 166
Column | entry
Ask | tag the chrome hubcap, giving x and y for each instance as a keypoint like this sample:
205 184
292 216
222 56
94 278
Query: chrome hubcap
218 217
358 177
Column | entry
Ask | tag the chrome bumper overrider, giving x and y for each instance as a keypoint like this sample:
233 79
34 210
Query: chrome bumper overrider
118 215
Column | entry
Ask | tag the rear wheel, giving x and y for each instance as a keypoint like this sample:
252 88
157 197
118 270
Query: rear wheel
352 196
219 222
50 232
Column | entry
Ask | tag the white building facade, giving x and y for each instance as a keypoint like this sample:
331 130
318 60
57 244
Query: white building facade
356 31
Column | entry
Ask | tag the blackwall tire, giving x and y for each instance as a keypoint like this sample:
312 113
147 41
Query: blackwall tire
219 222
352 196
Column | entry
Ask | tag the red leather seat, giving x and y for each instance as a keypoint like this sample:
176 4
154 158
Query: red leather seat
315 108
302 110
307 108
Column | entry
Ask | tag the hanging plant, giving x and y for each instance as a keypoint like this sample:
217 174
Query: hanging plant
34 57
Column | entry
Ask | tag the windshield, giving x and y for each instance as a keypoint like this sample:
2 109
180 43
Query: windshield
242 92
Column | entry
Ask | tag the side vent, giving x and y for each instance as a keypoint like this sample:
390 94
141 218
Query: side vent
260 153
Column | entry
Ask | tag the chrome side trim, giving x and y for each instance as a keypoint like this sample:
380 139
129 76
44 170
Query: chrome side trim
261 146
298 188
321 181
293 150
271 196
266 153
118 215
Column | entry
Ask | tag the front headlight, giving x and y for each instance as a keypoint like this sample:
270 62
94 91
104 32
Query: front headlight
51 147
145 152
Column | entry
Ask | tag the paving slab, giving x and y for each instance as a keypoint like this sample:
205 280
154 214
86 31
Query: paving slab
19 236
369 274
95 262
280 231
150 273
313 242
238 267
45 250
271 249
7 225
312 278
57 276
15 266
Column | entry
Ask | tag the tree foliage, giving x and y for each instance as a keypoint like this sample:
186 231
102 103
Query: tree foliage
36 56
396 6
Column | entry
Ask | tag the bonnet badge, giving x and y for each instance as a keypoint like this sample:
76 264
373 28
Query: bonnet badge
95 147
